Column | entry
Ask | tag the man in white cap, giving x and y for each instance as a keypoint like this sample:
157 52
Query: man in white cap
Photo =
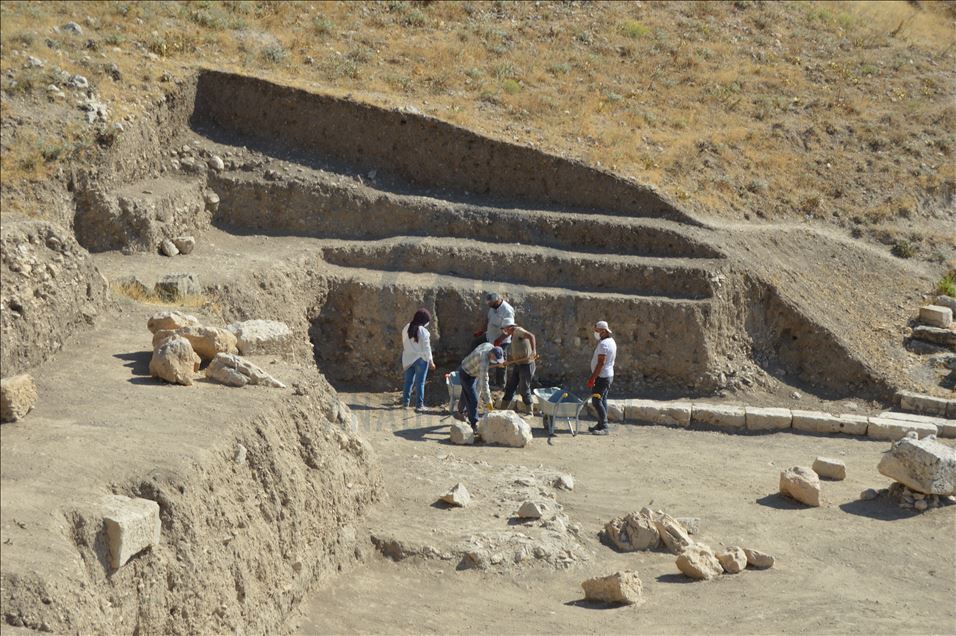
521 358
474 371
602 374
499 311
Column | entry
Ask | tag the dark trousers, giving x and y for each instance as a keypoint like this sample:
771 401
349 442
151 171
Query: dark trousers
599 399
519 381
469 395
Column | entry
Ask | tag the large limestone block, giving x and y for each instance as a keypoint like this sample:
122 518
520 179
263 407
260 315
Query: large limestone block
461 434
232 370
632 532
175 286
505 428
768 419
824 423
944 427
654 412
209 341
674 536
132 525
18 396
936 335
621 588
923 465
829 468
926 404
261 337
719 416
892 430
733 560
802 484
171 321
854 424
936 316
174 361
699 562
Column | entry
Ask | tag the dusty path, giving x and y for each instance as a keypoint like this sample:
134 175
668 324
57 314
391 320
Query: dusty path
848 567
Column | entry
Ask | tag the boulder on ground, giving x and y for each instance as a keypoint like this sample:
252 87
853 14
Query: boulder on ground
830 468
622 588
530 510
168 248
18 396
132 525
505 428
802 484
564 482
733 560
699 562
231 370
458 496
759 560
674 536
461 434
171 320
631 532
923 465
174 361
175 286
259 337
209 341
185 244
936 316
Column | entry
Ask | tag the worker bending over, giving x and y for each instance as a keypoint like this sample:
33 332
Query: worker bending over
602 374
473 374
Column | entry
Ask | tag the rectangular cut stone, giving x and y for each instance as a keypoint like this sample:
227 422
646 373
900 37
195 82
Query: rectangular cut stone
132 525
923 465
892 430
936 316
854 424
615 409
768 419
726 417
917 403
946 428
654 412
816 422
951 409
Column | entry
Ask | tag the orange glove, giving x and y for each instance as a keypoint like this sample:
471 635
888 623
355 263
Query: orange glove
590 383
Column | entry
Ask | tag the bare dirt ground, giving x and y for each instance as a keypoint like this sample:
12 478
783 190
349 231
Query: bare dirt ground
850 566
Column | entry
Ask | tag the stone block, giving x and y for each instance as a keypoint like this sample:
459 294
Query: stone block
719 416
132 525
946 301
830 468
923 465
699 562
853 424
258 337
768 419
918 403
936 335
175 286
892 430
620 588
817 422
461 434
802 484
18 396
505 428
936 316
654 412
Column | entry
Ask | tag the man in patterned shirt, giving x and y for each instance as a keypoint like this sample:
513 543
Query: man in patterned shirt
473 374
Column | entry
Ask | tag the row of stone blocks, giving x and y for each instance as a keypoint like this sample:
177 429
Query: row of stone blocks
886 426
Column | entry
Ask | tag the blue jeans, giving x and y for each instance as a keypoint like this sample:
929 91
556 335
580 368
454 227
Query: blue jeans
469 394
415 376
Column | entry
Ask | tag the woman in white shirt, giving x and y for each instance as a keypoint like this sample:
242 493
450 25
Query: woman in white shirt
416 358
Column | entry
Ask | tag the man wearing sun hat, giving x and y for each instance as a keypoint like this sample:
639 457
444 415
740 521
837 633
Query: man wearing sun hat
474 371
602 374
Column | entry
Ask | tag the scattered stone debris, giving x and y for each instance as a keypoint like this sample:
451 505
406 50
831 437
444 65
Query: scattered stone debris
461 434
699 562
733 560
620 588
759 560
530 510
132 525
261 337
231 370
18 396
458 496
912 499
829 468
185 244
802 484
632 532
923 465
504 428
174 361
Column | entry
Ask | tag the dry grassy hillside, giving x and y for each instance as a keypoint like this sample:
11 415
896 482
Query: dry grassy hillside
839 113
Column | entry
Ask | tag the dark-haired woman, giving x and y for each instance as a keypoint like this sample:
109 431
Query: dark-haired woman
416 358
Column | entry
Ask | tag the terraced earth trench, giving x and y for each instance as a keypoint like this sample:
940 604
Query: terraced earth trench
340 219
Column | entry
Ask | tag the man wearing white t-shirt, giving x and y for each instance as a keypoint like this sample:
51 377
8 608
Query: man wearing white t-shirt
602 374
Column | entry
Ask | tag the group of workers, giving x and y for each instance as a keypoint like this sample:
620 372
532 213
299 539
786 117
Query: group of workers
499 344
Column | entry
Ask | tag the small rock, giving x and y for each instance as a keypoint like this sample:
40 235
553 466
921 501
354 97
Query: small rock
185 244
240 455
168 248
215 163
458 496
78 81
621 588
461 434
564 482
759 560
699 562
673 534
73 27
733 560
232 370
869 494
921 505
530 510
830 468
633 531
802 484
18 396
796 395
691 524
33 62
212 200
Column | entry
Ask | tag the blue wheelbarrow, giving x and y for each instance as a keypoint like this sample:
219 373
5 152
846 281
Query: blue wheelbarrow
554 403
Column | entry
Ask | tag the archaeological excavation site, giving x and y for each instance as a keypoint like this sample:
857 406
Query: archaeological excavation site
203 430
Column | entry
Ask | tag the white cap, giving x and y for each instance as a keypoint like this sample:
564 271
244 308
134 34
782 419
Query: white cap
508 322
602 325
